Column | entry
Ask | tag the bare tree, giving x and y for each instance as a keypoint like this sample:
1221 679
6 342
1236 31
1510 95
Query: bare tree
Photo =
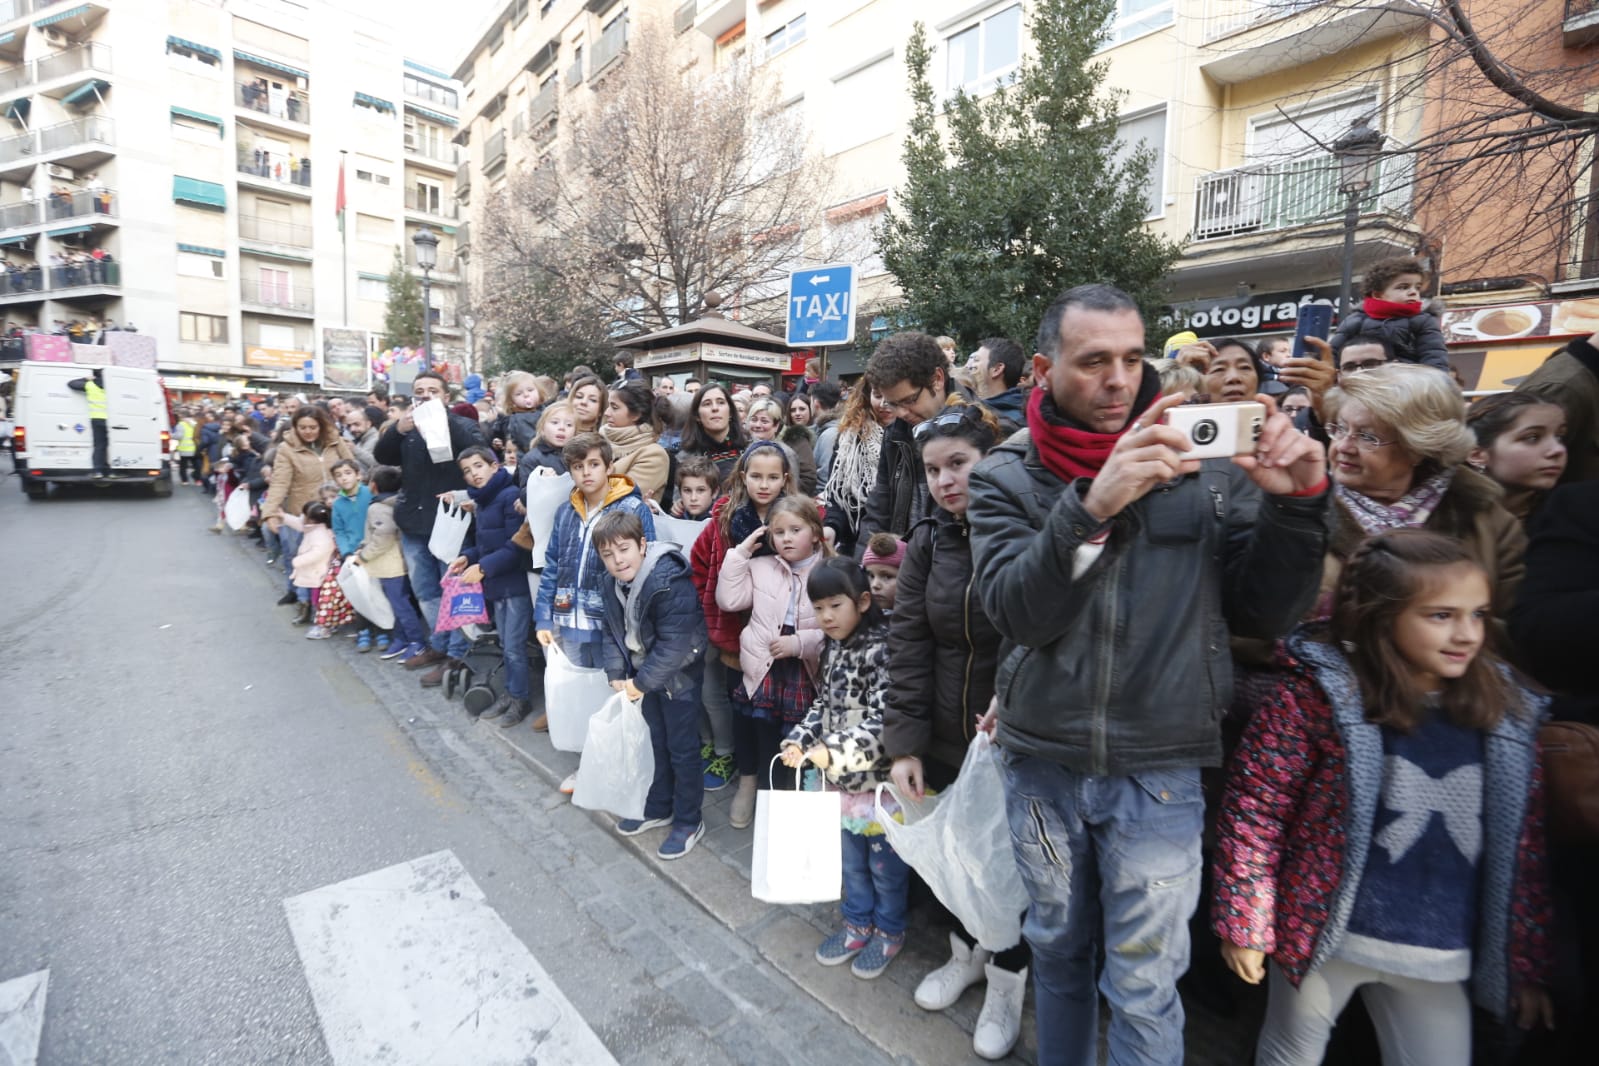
674 184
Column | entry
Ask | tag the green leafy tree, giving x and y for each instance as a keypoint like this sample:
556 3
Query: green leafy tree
402 317
1015 196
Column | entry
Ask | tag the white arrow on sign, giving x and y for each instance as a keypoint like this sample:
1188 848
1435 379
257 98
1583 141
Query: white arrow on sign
817 279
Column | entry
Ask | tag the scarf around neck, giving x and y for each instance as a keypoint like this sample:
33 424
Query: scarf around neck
1380 309
1410 511
1069 451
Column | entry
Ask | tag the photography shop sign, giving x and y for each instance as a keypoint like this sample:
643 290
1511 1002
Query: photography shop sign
1260 312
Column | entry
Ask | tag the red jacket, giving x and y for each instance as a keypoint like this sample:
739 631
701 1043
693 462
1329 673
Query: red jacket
1298 812
710 549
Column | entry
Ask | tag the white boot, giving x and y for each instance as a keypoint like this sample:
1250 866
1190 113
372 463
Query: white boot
1000 1023
942 987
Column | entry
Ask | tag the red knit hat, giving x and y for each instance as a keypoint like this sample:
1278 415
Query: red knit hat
878 552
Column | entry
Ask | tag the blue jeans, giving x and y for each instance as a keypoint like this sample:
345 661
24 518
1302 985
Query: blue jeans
679 785
716 723
1112 861
425 573
288 548
588 654
512 619
876 884
407 623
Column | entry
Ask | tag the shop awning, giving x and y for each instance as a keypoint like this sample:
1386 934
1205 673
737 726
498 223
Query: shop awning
364 276
200 116
69 231
7 37
431 116
62 16
87 93
13 241
202 49
275 255
429 71
199 193
376 103
17 110
270 64
200 249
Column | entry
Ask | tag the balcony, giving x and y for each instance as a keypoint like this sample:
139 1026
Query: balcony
541 112
92 276
1250 39
275 299
494 151
78 142
258 99
463 179
609 49
417 89
1581 25
435 156
274 231
291 174
21 213
70 66
434 207
683 19
1259 199
463 236
20 284
716 17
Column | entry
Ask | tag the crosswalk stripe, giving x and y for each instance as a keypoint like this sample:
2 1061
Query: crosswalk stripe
22 1018
410 964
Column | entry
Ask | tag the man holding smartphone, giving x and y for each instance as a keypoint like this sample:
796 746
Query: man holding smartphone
1116 569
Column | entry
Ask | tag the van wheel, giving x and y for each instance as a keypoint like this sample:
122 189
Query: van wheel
36 490
161 487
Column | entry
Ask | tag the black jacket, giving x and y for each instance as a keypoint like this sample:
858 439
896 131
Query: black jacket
421 478
1415 339
657 636
1553 619
1126 668
495 522
899 498
942 648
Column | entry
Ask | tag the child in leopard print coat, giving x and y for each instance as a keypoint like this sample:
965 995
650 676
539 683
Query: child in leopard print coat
842 737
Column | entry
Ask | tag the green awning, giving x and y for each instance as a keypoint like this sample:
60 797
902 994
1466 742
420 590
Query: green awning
7 37
199 193
87 93
270 64
376 103
276 255
62 16
69 231
9 241
200 249
429 71
202 49
17 110
364 276
201 116
431 116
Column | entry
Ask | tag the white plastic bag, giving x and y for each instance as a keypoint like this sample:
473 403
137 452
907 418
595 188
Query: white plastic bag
571 696
450 524
236 512
959 842
433 422
544 497
680 531
798 857
365 594
618 760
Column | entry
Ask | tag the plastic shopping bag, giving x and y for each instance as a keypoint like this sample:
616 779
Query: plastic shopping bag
571 696
462 604
365 594
618 760
544 497
236 512
798 856
680 531
450 524
433 422
959 842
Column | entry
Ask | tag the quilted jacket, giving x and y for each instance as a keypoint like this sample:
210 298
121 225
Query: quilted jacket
573 570
763 586
1297 818
847 714
722 627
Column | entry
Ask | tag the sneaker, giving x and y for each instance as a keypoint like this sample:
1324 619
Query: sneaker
363 642
679 842
400 651
632 827
541 724
424 658
941 988
843 945
569 786
707 753
718 772
272 560
382 641
999 1025
318 633
878 954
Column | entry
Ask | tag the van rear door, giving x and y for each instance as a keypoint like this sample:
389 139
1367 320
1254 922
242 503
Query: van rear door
135 417
55 417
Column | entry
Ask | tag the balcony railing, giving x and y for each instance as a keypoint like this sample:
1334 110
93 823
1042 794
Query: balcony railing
274 231
574 73
443 153
608 49
21 213
90 56
683 20
81 275
1581 24
494 150
440 207
19 279
274 295
1257 199
463 177
264 165
1219 26
463 235
91 129
63 205
290 106
421 90
541 112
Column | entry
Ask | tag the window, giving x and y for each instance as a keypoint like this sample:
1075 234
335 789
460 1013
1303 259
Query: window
1134 18
497 40
372 176
985 53
1149 130
183 130
850 124
284 338
427 197
208 57
374 229
193 265
202 329
857 243
372 289
1274 138
785 37
426 90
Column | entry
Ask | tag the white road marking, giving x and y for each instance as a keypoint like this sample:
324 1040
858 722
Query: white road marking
410 964
22 1018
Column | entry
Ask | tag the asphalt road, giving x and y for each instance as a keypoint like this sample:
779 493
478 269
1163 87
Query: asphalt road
177 763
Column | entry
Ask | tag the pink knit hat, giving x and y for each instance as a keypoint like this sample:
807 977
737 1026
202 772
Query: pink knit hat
875 557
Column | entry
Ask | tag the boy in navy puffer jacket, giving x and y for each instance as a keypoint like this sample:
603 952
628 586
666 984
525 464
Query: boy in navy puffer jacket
501 567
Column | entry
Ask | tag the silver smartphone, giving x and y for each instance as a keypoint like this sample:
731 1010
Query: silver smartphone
1219 430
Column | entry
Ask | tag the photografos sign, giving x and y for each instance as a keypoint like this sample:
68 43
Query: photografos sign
1265 312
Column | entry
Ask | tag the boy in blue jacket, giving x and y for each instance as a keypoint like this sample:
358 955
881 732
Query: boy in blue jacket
655 653
349 528
501 566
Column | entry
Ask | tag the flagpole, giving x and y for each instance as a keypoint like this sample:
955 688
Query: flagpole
344 239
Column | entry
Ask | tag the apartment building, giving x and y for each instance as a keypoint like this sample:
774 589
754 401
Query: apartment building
175 166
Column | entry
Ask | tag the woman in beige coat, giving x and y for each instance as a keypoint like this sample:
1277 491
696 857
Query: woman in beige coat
303 464
632 429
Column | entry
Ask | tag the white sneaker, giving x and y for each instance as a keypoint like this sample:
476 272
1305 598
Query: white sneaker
999 1025
942 987
318 633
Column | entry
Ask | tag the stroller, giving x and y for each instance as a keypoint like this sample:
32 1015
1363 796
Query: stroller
481 678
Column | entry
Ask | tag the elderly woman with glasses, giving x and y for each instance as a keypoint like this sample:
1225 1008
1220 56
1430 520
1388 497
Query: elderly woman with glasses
1398 448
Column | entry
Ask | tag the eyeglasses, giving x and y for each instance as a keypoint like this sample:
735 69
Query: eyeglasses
907 403
1363 364
1365 440
948 418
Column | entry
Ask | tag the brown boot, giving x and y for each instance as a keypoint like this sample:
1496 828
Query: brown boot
541 724
435 677
428 657
304 617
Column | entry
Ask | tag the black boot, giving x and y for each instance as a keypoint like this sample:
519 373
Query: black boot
519 710
503 706
287 598
304 617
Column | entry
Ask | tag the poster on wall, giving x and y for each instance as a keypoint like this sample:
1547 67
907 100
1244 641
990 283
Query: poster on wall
345 363
1523 321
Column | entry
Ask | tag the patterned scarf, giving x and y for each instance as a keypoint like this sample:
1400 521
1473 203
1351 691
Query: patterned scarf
1410 511
855 456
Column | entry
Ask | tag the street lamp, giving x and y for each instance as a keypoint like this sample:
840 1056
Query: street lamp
427 257
1357 152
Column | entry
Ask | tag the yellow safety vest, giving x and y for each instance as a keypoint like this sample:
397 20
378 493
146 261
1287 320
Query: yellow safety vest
185 438
96 397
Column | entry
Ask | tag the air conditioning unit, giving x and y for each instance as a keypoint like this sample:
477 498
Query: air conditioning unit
59 172
56 38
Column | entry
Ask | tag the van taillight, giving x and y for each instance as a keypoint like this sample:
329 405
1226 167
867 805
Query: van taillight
166 442
19 439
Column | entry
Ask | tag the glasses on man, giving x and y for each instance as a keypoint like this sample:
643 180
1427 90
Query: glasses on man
948 418
906 404
1358 365
1365 439
1292 409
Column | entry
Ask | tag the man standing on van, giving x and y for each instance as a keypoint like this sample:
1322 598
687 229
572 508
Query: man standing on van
93 389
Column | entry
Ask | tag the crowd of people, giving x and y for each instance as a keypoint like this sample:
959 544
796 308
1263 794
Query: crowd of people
1304 683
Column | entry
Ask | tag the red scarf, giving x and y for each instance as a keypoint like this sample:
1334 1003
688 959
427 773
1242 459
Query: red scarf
1377 308
1070 452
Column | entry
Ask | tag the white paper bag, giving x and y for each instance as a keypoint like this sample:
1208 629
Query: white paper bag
798 857
571 696
959 842
618 760
433 422
680 531
365 594
450 524
236 512
544 497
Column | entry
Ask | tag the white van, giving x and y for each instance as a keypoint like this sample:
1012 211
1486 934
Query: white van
51 440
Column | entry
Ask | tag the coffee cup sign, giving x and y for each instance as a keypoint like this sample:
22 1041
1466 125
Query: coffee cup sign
1500 323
